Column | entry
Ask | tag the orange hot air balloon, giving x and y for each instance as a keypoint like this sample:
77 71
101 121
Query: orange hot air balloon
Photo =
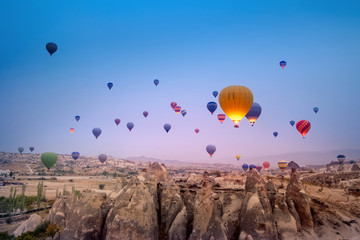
266 165
72 130
236 101
177 109
303 126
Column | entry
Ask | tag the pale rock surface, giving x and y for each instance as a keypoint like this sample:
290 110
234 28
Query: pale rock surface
29 225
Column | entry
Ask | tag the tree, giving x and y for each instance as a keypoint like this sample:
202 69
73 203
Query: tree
40 189
22 198
51 230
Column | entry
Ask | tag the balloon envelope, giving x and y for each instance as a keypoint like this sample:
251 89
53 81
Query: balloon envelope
75 155
245 167
282 165
177 109
102 158
221 117
303 126
266 165
167 127
173 104
352 161
77 118
341 158
96 132
252 166
156 82
51 48
110 85
316 109
258 168
72 130
211 106
49 159
145 113
292 122
117 121
183 112
282 64
130 126
236 102
253 113
32 149
237 157
21 149
211 149
197 130
215 93
275 134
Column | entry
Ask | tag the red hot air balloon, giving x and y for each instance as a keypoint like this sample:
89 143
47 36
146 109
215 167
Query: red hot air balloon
266 165
303 126
173 104
117 121
197 130
177 109
221 117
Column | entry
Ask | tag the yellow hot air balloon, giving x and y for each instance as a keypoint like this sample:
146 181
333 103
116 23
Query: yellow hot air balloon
237 157
236 101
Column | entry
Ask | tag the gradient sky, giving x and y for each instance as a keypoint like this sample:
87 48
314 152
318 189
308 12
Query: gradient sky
193 48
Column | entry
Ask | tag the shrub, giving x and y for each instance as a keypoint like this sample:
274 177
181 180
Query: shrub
6 236
70 180
101 186
53 178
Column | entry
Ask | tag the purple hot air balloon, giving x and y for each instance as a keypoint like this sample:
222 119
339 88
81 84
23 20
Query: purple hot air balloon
211 149
167 127
96 132
245 167
130 126
77 118
75 155
258 168
117 121
102 158
253 113
145 113
173 104
183 112
252 166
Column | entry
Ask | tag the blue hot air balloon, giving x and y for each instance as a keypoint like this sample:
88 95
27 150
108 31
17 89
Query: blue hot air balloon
75 155
215 93
183 112
51 48
211 106
352 161
292 122
275 134
167 127
253 113
341 158
21 149
316 109
32 149
282 64
96 132
130 126
252 166
156 82
110 85
77 118
245 167
210 149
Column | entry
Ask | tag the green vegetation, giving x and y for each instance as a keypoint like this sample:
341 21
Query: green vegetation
105 173
71 180
101 186
76 192
41 232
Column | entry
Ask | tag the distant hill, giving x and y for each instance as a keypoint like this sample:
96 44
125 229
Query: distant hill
150 159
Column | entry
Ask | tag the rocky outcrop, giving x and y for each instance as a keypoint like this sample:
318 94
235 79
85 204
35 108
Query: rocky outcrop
29 225
293 164
355 167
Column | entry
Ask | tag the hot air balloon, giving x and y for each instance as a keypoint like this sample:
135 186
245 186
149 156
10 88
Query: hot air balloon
156 82
117 121
77 118
292 122
352 161
173 104
236 102
130 126
51 48
102 158
31 149
177 109
253 113
237 157
183 112
75 155
49 159
303 126
316 109
210 149
266 165
275 134
72 130
341 158
145 114
282 165
282 64
110 85
21 149
258 168
215 93
167 127
96 132
211 106
197 130
245 167
252 166
221 117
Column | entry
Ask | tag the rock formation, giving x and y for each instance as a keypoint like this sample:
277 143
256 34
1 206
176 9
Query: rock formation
29 225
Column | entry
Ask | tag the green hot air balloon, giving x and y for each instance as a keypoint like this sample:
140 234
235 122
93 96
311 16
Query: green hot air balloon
49 159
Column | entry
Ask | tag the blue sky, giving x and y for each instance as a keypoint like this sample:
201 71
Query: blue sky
193 48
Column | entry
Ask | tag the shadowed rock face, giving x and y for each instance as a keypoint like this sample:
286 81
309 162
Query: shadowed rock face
153 206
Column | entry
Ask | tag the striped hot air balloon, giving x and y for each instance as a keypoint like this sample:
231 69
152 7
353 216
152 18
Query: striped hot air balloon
221 117
303 126
282 165
177 109
266 165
